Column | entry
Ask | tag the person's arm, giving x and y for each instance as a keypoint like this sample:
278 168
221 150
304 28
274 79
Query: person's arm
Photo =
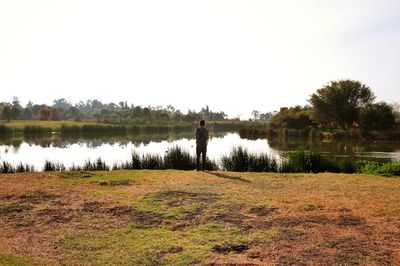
207 135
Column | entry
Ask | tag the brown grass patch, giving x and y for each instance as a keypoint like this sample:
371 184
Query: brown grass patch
299 219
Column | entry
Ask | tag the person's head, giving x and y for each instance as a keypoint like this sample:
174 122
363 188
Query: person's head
202 122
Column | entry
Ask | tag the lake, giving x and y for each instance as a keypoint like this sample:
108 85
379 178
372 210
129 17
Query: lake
76 150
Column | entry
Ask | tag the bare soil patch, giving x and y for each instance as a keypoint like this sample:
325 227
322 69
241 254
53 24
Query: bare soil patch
227 248
14 208
37 197
175 198
123 182
350 220
77 174
263 210
56 216
140 218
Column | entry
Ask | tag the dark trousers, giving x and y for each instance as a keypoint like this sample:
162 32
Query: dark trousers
201 150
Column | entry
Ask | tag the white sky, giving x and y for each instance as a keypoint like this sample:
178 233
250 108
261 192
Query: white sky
236 56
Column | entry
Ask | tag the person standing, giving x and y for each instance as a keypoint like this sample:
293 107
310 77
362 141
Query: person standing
201 145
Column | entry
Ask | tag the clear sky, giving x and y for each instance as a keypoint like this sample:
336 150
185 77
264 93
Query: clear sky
235 56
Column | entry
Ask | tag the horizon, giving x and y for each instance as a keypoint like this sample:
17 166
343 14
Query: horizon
233 56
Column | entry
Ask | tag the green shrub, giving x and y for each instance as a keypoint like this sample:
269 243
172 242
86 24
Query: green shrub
384 169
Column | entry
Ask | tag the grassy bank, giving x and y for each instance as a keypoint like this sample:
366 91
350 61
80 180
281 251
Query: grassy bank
34 127
143 217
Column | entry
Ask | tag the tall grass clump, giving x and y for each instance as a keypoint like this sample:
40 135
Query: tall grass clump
150 161
308 162
53 166
7 168
240 160
177 158
36 130
211 165
22 168
134 163
5 130
262 163
96 165
236 161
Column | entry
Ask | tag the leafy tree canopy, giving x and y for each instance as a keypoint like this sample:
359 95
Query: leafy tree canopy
340 102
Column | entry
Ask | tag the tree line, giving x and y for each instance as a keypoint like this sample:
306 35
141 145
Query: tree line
93 109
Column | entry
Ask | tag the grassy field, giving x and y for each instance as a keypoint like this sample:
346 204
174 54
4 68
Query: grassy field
170 217
20 124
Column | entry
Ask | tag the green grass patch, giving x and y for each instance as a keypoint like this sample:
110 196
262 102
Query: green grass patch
151 246
13 260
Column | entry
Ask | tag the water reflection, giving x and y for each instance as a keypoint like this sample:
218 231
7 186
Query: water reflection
77 149
383 149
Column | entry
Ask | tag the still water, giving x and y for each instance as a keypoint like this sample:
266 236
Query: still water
76 150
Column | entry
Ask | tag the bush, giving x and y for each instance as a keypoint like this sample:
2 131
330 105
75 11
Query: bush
389 169
384 169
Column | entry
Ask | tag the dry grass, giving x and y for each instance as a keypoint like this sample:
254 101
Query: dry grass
213 218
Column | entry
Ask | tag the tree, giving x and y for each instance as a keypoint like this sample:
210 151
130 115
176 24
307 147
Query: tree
6 111
44 114
62 103
255 114
396 110
294 117
377 116
340 102
16 108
